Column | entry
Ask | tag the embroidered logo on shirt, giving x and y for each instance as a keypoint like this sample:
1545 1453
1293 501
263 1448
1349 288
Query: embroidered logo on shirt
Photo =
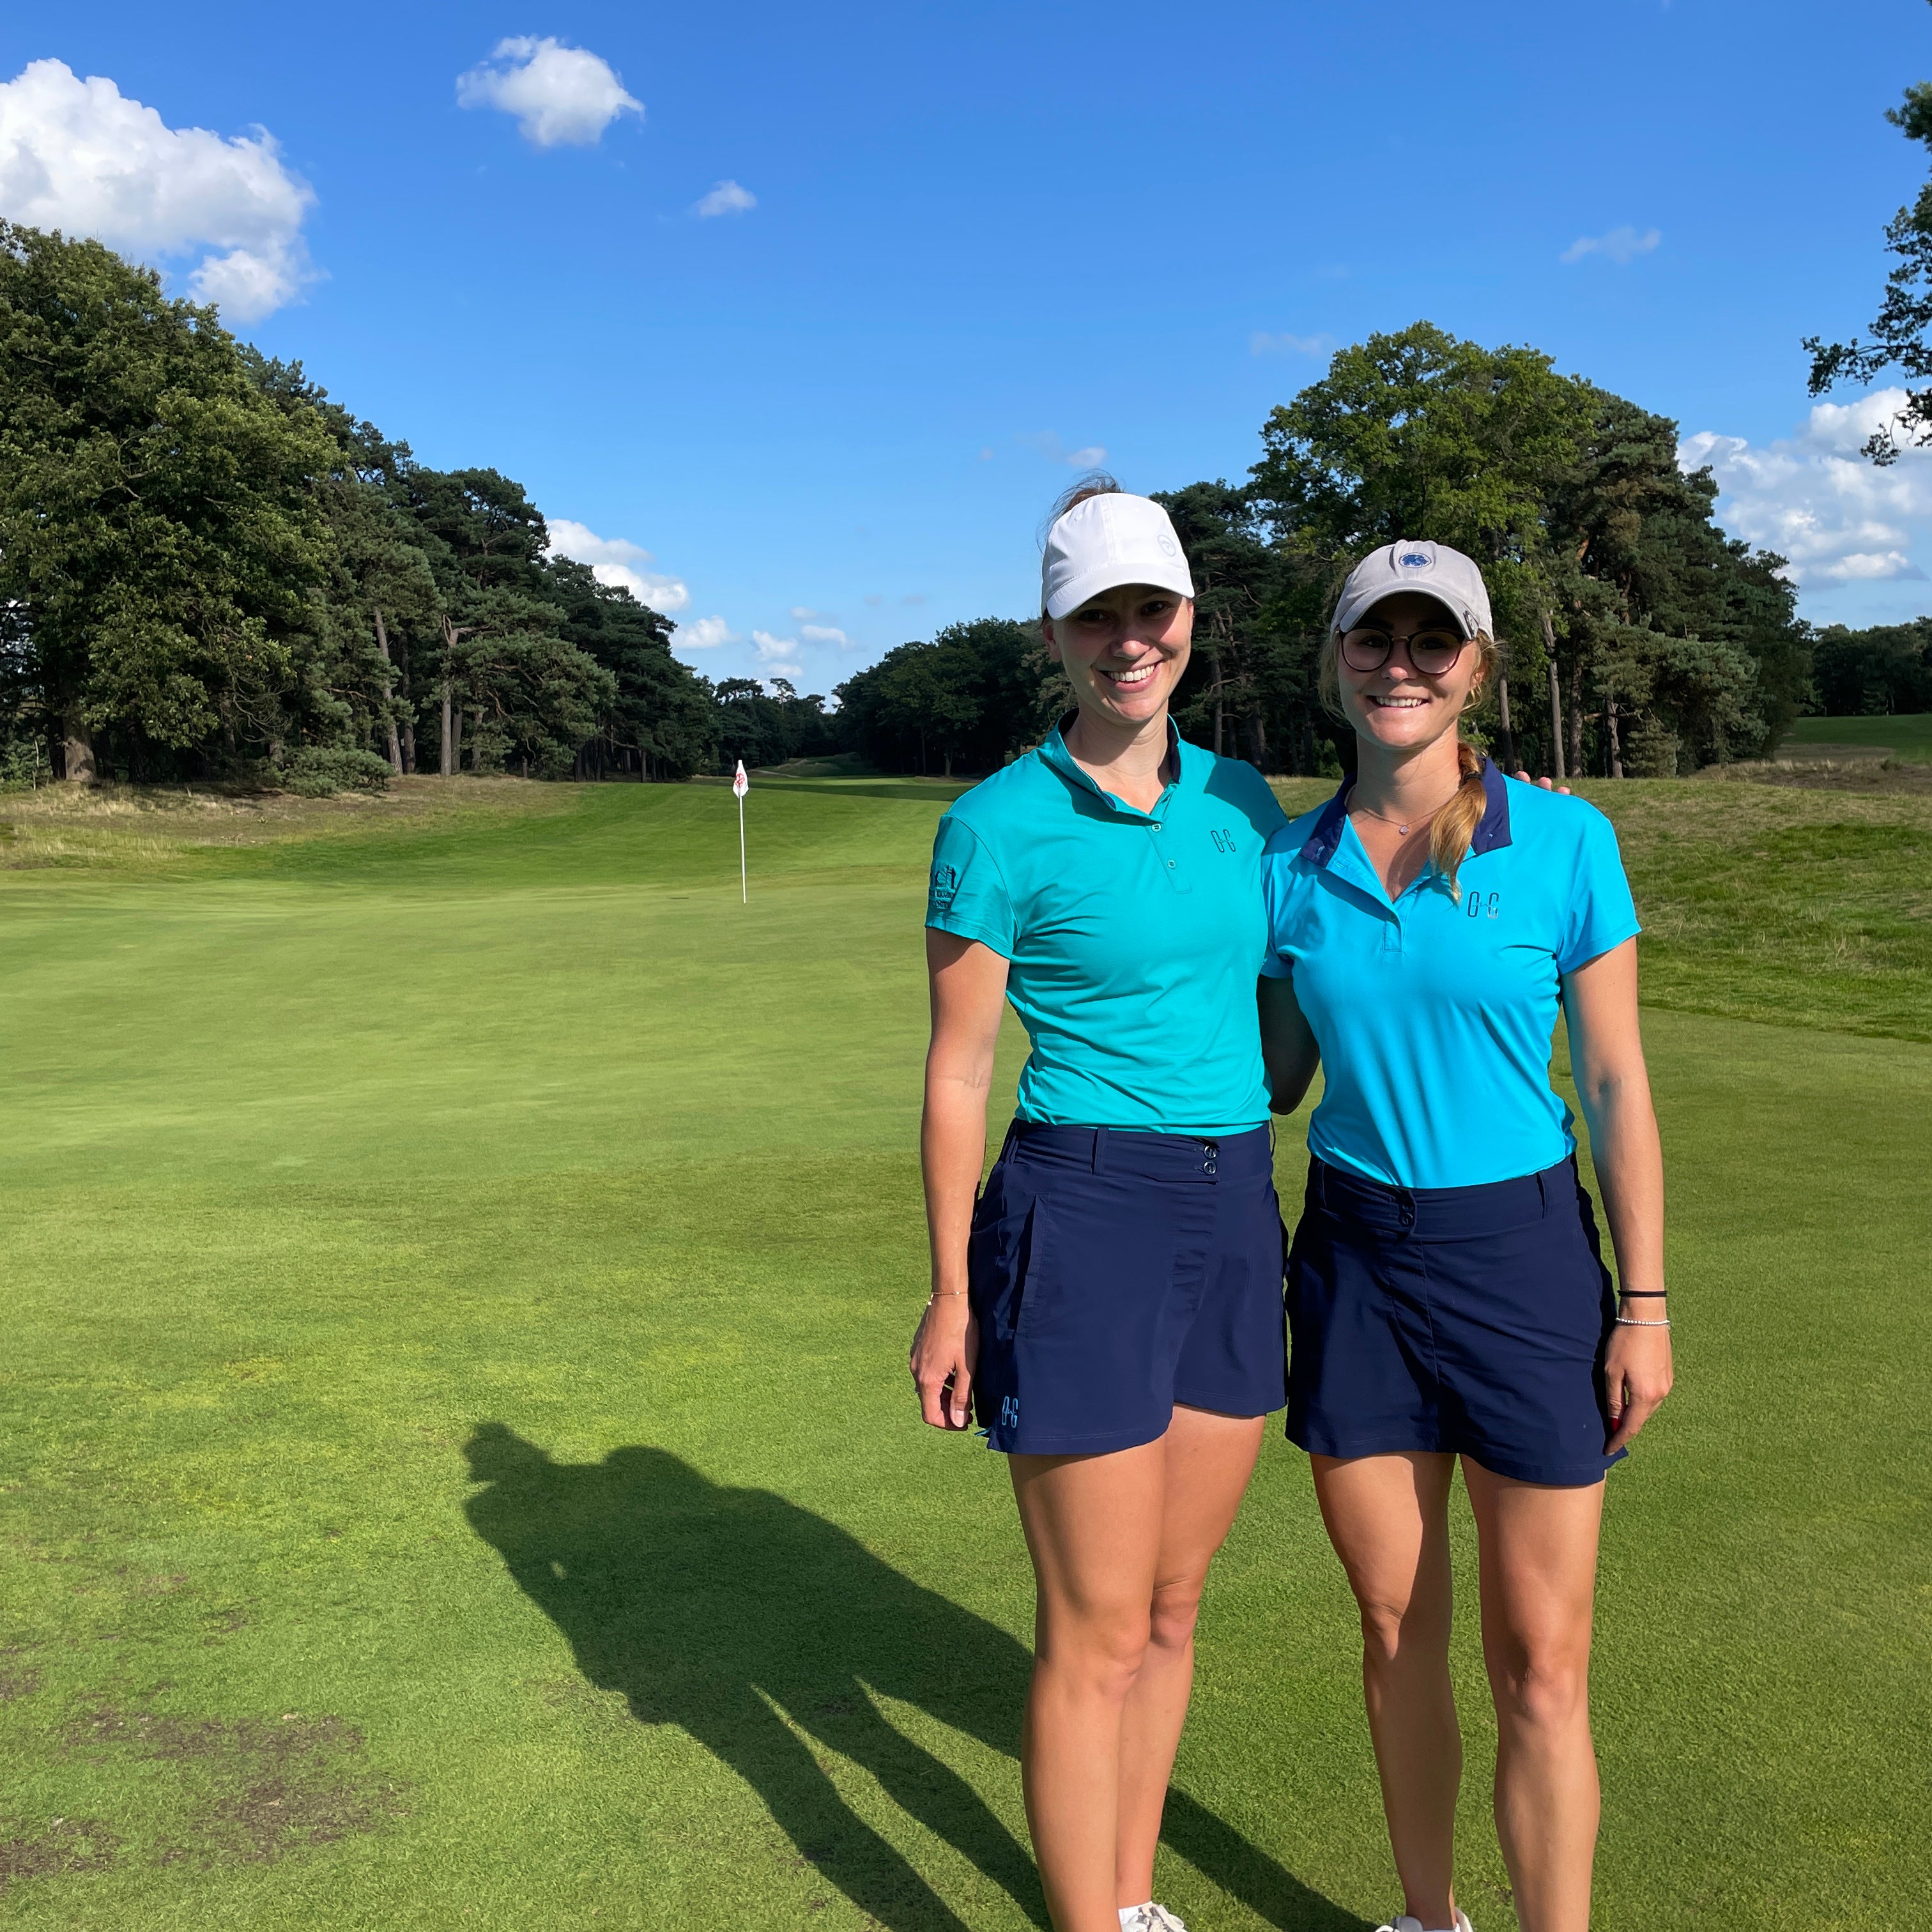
944 888
1481 907
1224 841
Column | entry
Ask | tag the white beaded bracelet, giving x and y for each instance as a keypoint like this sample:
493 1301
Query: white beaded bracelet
1631 1322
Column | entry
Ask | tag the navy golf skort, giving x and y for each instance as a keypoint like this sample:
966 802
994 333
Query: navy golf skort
1469 1320
1115 1274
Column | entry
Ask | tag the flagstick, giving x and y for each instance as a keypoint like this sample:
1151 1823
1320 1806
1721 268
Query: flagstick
744 884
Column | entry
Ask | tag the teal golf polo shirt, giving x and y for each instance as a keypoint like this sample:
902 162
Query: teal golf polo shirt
1135 937
1435 1015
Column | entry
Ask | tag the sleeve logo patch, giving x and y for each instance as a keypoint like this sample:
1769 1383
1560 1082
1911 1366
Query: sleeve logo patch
944 889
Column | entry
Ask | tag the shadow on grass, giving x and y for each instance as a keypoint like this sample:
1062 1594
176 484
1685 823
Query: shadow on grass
760 1628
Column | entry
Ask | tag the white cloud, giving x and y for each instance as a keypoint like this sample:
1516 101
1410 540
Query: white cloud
824 634
613 560
802 613
777 656
80 156
1812 498
726 198
1262 343
705 633
1045 443
562 97
1621 245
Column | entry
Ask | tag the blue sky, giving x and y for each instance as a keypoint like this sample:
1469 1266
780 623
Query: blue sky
985 239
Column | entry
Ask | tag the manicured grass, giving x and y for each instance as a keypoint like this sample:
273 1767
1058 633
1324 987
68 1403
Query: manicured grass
1908 738
460 1470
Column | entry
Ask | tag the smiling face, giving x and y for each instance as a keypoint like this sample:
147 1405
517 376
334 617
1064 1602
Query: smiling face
1123 651
1399 705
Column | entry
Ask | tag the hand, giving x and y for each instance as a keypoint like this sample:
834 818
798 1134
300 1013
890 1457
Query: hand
1637 1375
1547 785
945 1351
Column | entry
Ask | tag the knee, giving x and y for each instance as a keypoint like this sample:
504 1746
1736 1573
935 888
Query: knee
1542 1688
1174 1613
1395 1632
1103 1652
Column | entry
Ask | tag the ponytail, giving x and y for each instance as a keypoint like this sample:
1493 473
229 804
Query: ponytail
1456 823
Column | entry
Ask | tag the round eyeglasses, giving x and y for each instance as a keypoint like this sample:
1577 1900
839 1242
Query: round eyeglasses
1432 651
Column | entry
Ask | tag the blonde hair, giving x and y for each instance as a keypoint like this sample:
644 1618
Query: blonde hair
1456 823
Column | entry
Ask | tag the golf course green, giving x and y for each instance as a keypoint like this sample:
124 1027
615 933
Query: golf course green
459 1469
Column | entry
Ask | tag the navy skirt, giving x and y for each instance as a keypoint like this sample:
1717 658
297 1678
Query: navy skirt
1115 1274
1468 1320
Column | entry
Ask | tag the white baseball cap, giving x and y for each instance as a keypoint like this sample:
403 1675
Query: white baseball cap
1106 540
1434 569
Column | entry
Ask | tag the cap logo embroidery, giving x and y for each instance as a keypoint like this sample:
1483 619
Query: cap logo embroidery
1414 560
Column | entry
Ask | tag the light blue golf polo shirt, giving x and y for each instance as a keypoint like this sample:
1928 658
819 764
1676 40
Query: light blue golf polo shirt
1136 937
1435 1015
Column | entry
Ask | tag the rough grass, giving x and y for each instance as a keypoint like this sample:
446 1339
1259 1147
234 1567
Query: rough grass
169 829
1908 738
459 1471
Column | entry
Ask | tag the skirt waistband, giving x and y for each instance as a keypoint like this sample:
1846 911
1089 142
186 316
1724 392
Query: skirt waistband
1142 1156
1444 1214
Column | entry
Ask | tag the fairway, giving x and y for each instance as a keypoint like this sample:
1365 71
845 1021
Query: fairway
460 1469
1908 739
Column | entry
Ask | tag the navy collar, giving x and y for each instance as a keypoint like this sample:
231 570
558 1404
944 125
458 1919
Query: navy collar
1492 833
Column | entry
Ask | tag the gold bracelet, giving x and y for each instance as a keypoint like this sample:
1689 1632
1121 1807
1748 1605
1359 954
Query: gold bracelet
945 1293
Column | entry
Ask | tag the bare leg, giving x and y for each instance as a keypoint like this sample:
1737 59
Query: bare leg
1115 1558
1388 1518
1539 1575
1209 1459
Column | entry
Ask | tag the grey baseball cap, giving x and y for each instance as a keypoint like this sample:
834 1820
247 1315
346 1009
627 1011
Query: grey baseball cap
1414 564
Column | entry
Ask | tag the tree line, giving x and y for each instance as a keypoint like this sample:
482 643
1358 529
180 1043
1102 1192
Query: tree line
1640 639
209 568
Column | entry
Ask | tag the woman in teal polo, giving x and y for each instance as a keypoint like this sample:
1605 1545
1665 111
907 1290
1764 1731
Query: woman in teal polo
1110 1307
1446 1295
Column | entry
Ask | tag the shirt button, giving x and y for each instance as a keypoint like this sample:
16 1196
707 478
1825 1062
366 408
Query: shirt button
1170 865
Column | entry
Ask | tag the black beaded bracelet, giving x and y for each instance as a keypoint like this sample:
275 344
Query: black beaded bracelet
1642 1294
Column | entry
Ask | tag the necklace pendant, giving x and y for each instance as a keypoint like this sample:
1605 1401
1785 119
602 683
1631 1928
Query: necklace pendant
1403 829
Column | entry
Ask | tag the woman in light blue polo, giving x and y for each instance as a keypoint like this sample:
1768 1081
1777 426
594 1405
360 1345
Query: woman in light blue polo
1111 1307
1446 1295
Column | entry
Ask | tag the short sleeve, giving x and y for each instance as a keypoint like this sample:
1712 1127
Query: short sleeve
966 894
1274 871
1601 913
1238 781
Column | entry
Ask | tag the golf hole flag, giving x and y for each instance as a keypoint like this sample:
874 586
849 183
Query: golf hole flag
741 784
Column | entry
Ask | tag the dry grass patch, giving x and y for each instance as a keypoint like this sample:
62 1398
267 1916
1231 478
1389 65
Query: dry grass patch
149 828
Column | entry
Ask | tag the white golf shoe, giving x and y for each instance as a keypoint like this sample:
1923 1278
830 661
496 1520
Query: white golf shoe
1402 1922
1150 1917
